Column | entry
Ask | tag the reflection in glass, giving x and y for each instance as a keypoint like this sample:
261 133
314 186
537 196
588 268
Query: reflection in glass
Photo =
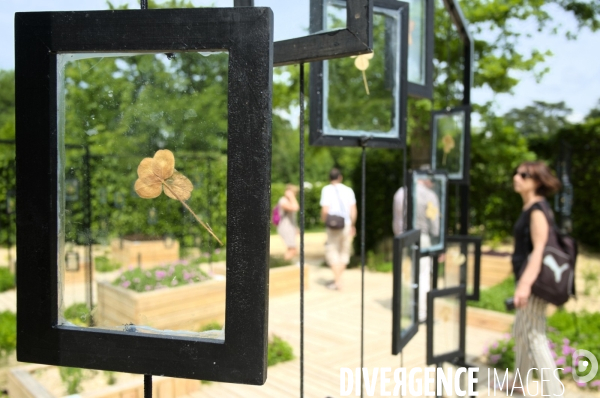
291 18
446 324
416 41
454 261
429 209
407 298
116 111
361 93
449 138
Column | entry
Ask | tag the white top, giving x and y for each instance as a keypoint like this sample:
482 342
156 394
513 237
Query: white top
398 212
339 198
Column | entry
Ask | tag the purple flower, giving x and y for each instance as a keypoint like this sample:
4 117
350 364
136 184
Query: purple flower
126 284
507 336
553 354
566 341
131 267
560 361
494 358
136 280
580 384
595 383
566 350
186 275
495 345
148 287
205 255
568 369
217 251
184 262
160 274
486 350
551 345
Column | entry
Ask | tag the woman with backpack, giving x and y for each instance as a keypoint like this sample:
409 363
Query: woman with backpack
533 181
287 207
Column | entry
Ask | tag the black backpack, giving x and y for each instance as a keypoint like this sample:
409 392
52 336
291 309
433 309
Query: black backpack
556 280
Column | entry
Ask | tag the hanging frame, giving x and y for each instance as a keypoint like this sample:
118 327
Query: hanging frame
451 142
452 355
426 210
405 289
356 38
420 60
247 35
470 274
323 132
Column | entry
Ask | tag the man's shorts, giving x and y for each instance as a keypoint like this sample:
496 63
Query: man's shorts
338 246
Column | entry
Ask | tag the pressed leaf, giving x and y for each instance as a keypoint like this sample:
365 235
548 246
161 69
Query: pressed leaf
145 170
163 164
178 187
147 190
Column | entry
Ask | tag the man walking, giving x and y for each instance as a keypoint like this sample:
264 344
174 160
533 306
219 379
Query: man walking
338 212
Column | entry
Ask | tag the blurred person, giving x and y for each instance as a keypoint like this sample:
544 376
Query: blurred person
427 220
533 181
339 201
287 227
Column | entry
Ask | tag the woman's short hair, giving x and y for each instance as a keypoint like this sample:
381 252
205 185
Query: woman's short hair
540 172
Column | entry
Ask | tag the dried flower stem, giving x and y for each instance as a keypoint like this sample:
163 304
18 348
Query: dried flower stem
364 75
209 229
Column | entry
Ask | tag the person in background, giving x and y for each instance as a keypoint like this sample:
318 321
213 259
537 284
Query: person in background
427 220
339 201
287 227
533 181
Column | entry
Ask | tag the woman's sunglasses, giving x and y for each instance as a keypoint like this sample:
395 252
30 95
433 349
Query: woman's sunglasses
522 174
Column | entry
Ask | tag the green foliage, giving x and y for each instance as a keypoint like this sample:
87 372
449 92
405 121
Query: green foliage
8 333
71 378
276 262
7 279
104 264
566 332
376 262
211 326
590 279
111 378
493 298
540 119
279 350
78 314
172 275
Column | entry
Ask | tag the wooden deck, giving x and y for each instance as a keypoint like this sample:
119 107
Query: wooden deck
332 338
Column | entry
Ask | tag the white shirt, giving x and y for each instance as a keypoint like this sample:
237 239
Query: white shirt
339 198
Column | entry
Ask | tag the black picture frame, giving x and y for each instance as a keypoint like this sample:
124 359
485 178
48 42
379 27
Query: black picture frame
451 356
247 34
469 279
355 39
463 113
442 178
317 81
401 337
425 89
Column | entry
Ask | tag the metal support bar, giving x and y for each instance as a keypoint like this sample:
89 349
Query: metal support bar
301 155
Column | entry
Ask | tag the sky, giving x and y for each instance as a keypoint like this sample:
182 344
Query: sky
574 75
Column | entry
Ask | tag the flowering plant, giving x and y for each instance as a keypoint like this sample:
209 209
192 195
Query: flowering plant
175 274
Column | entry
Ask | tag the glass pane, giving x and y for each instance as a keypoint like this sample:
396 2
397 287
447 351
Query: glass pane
361 93
429 198
407 298
454 260
416 41
291 18
470 287
446 324
142 180
449 138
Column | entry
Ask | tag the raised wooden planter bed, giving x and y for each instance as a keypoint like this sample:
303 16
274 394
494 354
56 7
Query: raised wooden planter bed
147 253
182 308
22 384
495 269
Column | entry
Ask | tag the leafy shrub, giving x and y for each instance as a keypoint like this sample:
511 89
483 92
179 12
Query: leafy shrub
72 378
376 262
103 264
279 351
172 275
7 279
275 262
566 332
216 256
211 326
493 298
78 314
111 379
8 333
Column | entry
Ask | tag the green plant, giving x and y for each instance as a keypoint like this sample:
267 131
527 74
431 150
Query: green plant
493 298
7 279
279 351
590 278
103 264
78 314
111 379
275 262
211 326
172 275
8 333
72 378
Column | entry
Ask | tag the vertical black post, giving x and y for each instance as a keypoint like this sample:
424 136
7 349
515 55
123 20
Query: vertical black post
8 223
301 155
147 386
363 208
